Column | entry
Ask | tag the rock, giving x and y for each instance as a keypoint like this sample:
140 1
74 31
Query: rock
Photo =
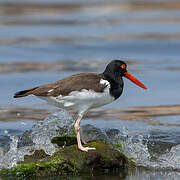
92 133
70 160
36 157
88 133
64 141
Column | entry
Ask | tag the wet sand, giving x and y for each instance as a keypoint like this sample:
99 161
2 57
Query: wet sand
143 114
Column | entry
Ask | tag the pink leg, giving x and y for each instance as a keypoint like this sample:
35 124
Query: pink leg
77 129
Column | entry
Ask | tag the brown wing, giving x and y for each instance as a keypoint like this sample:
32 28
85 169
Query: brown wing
65 86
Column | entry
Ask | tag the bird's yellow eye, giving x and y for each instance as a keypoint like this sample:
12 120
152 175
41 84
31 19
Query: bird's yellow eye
123 66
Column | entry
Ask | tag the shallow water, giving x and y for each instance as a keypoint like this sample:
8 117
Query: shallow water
146 34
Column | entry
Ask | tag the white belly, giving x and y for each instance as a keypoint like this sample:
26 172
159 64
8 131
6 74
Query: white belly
76 99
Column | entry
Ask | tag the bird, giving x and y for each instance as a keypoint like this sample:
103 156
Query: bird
84 91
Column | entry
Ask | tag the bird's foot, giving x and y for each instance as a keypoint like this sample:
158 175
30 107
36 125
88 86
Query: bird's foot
86 149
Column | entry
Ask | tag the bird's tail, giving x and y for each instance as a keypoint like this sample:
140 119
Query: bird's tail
23 93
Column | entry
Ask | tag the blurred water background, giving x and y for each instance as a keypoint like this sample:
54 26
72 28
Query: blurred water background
43 41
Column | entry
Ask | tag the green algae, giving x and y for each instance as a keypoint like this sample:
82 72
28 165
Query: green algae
56 166
64 140
70 160
23 170
118 146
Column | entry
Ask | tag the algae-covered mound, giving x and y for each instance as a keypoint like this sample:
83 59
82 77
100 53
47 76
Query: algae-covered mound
69 160
49 148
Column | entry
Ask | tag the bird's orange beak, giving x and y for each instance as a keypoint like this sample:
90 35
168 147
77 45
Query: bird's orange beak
134 80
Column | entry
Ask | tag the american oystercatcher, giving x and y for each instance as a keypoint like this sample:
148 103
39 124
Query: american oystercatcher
84 91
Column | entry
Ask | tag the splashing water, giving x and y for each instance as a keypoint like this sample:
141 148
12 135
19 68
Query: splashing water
136 148
57 124
138 151
61 124
39 137
10 158
171 159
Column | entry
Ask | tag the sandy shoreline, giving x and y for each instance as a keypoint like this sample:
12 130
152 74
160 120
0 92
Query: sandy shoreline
143 114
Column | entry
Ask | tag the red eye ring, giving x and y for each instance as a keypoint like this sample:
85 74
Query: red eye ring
123 66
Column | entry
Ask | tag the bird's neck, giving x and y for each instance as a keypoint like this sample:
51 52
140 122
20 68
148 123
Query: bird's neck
114 79
116 84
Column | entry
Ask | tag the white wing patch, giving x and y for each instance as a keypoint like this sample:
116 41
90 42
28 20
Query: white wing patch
51 90
104 82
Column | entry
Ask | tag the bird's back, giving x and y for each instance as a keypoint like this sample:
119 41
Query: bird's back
77 82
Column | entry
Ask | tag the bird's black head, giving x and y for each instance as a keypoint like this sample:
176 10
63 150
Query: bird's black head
116 68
